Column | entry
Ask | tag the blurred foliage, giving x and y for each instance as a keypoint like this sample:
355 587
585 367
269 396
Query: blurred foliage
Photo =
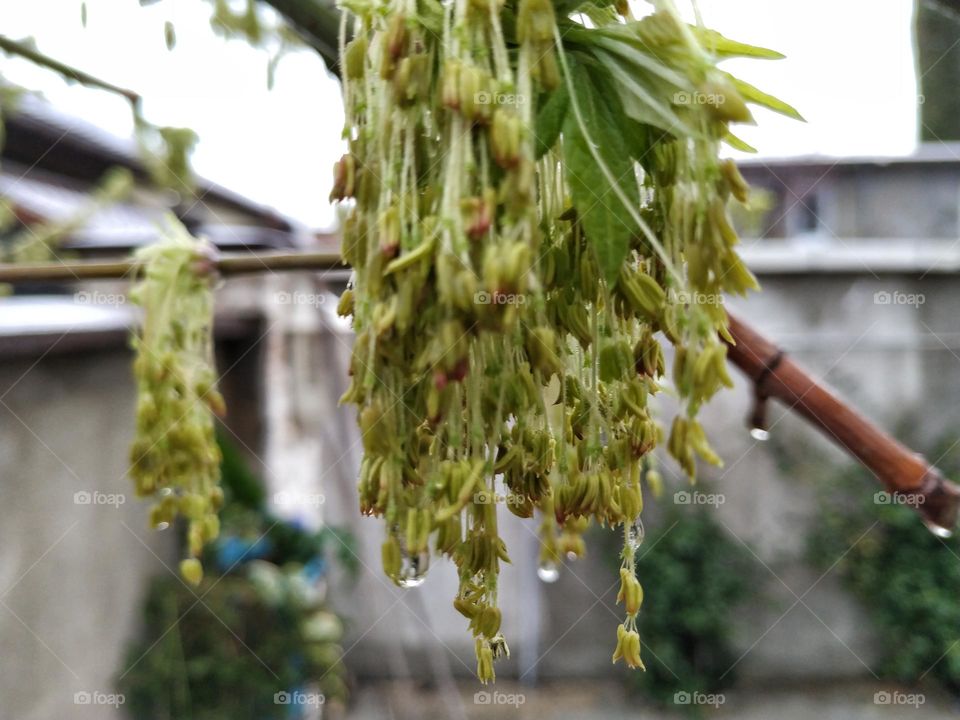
696 575
225 650
907 579
230 654
936 24
245 516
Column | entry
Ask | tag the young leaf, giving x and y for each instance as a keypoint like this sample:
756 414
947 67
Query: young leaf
607 222
639 102
624 42
758 97
724 47
738 144
550 120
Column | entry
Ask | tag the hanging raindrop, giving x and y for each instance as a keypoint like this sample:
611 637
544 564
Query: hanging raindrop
162 526
413 569
938 530
758 417
635 534
548 571
759 434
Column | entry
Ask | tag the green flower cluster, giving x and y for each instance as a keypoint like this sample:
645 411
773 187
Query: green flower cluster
175 458
531 203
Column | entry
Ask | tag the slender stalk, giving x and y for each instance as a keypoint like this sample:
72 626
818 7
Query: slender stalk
226 265
14 47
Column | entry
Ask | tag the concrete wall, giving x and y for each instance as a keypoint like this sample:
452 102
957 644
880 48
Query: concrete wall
859 200
893 361
71 576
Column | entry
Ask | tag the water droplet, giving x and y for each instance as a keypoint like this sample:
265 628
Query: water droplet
571 555
635 534
162 525
548 572
759 434
938 530
413 570
165 492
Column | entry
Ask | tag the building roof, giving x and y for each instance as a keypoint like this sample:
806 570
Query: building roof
52 161
928 153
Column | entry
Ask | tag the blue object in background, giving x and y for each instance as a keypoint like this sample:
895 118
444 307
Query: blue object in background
232 550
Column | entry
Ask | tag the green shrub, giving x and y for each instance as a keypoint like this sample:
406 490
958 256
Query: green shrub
229 655
695 575
907 579
226 649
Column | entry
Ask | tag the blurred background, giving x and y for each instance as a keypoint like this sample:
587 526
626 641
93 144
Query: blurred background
782 583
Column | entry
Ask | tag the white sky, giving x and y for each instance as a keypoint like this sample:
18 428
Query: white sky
849 70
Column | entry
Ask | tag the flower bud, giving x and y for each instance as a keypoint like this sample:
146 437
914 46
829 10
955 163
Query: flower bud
344 178
535 21
475 94
192 571
505 138
727 104
734 180
388 232
450 84
396 38
355 58
478 213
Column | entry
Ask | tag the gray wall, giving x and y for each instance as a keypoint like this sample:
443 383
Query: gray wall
74 574
892 361
71 575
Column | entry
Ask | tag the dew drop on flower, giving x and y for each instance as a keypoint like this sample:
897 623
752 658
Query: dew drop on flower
635 534
548 572
413 570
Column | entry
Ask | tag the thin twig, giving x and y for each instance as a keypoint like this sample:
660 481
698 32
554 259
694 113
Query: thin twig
239 264
24 50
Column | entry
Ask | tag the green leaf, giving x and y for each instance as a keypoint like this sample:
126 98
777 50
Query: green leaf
758 97
607 222
640 102
738 144
563 8
550 119
646 83
624 41
724 47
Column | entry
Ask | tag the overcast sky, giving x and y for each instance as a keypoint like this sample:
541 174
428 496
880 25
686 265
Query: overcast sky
849 70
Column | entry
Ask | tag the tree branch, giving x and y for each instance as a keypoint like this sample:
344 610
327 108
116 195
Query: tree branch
317 22
14 47
240 264
774 375
899 469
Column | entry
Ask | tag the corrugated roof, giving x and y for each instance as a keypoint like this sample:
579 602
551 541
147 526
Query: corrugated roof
943 153
52 160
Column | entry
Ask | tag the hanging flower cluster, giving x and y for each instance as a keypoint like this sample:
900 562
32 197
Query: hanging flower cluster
175 458
534 204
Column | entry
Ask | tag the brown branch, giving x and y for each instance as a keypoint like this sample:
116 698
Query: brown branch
773 373
899 469
239 264
317 22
